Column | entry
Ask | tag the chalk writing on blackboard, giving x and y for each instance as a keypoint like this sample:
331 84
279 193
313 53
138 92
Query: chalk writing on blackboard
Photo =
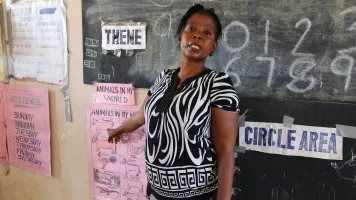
163 4
302 54
247 37
349 165
104 77
352 27
91 42
272 62
302 75
308 26
89 64
91 53
336 66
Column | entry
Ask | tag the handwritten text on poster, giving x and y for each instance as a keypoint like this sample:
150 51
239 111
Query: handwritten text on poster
120 94
28 128
39 40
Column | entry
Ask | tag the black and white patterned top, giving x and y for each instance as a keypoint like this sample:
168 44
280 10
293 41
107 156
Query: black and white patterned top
180 157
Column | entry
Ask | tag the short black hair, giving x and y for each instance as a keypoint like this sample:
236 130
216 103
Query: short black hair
197 8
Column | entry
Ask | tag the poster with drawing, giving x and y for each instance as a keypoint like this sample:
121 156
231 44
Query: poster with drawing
39 40
117 171
4 158
28 128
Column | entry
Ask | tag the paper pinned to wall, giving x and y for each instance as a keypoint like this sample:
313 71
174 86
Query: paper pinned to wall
305 141
123 35
28 128
39 41
4 158
120 94
117 171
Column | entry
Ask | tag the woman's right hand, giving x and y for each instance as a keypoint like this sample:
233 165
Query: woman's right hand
114 136
133 123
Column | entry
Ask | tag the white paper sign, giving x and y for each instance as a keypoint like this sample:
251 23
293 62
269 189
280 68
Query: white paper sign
39 48
123 35
306 141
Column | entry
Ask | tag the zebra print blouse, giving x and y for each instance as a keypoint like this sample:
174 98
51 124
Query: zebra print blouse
180 157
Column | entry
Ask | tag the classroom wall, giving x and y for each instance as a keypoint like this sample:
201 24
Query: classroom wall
68 139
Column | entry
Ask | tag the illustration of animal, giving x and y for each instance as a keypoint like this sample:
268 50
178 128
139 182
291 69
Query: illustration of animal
133 150
124 138
130 168
132 196
132 185
101 126
100 136
136 145
104 159
137 135
109 192
104 144
106 179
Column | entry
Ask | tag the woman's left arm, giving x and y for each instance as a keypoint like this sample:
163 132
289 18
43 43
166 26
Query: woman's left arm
224 133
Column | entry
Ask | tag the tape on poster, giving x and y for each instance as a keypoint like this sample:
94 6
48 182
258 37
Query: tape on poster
242 118
241 149
288 121
346 131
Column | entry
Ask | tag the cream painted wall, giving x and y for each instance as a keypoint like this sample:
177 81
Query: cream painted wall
70 179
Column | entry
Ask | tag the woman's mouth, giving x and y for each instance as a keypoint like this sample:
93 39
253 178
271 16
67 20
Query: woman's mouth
194 46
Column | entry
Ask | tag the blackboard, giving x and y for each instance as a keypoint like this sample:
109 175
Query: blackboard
261 176
295 49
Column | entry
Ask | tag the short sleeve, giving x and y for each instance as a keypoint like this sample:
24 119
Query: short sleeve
156 83
223 94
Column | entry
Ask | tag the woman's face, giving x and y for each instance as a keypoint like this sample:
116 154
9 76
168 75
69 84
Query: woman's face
198 38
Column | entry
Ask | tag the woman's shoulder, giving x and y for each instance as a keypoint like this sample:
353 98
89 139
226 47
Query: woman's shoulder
218 74
166 73
169 71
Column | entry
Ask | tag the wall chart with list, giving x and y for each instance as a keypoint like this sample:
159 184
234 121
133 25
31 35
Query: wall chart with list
39 40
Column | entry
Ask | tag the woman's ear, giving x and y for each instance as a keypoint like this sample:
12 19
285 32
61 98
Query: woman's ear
215 45
179 39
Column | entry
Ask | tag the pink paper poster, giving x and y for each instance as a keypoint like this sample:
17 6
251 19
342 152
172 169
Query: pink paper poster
28 128
117 171
119 94
4 158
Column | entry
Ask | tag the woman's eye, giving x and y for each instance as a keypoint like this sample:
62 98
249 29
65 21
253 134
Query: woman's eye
207 33
190 28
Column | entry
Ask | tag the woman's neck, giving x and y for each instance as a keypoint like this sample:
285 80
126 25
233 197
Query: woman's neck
190 68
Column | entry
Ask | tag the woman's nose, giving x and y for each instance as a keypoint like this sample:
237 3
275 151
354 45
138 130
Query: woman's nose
197 37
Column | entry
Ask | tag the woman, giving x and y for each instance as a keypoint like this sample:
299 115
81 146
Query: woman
191 119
